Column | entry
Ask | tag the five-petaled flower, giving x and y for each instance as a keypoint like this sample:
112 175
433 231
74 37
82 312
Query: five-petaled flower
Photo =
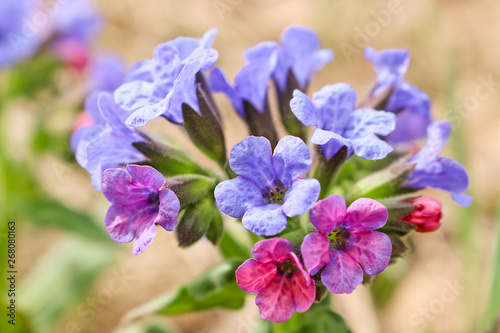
277 276
269 187
332 111
139 203
346 241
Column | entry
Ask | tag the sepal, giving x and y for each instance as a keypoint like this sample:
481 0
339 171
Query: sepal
190 188
205 128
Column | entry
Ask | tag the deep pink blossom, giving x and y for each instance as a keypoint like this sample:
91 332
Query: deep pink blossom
277 276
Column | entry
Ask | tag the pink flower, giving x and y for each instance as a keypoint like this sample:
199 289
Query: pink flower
277 276
346 243
426 216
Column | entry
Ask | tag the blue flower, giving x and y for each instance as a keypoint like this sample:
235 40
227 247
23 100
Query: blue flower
250 84
299 53
107 143
269 187
332 111
411 105
439 172
18 38
162 85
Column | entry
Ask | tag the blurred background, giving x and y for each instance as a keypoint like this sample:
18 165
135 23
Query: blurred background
73 278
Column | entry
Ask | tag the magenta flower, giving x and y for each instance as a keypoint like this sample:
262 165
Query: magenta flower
277 276
139 203
346 241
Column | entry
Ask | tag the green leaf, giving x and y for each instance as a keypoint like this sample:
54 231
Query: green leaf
260 124
385 183
61 279
318 319
45 212
215 288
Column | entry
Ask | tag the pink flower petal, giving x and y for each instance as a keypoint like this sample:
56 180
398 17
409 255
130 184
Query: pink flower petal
328 213
371 250
365 215
304 292
342 274
273 249
253 276
124 223
276 302
315 251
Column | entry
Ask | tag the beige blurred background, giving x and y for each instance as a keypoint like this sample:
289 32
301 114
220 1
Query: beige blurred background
455 46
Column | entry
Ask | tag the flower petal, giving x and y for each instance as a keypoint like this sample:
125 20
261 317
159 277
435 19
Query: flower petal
268 220
273 249
145 175
371 147
371 250
124 223
253 276
118 188
291 159
330 142
304 292
315 251
276 302
443 173
365 215
336 103
218 83
234 197
301 196
437 134
145 239
252 158
303 108
168 210
133 95
462 199
367 121
342 274
327 214
391 66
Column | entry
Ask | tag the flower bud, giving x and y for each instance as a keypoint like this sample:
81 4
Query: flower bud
426 216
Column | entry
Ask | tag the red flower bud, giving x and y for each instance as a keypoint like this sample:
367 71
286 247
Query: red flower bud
426 216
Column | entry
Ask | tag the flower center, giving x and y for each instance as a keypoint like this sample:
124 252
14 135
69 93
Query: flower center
338 238
275 194
153 199
286 268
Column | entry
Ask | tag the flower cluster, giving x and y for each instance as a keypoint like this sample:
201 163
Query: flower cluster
278 187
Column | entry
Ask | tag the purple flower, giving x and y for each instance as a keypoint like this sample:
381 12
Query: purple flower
299 53
338 124
346 243
439 172
19 39
411 105
108 142
269 187
250 84
139 203
277 276
163 84
106 72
